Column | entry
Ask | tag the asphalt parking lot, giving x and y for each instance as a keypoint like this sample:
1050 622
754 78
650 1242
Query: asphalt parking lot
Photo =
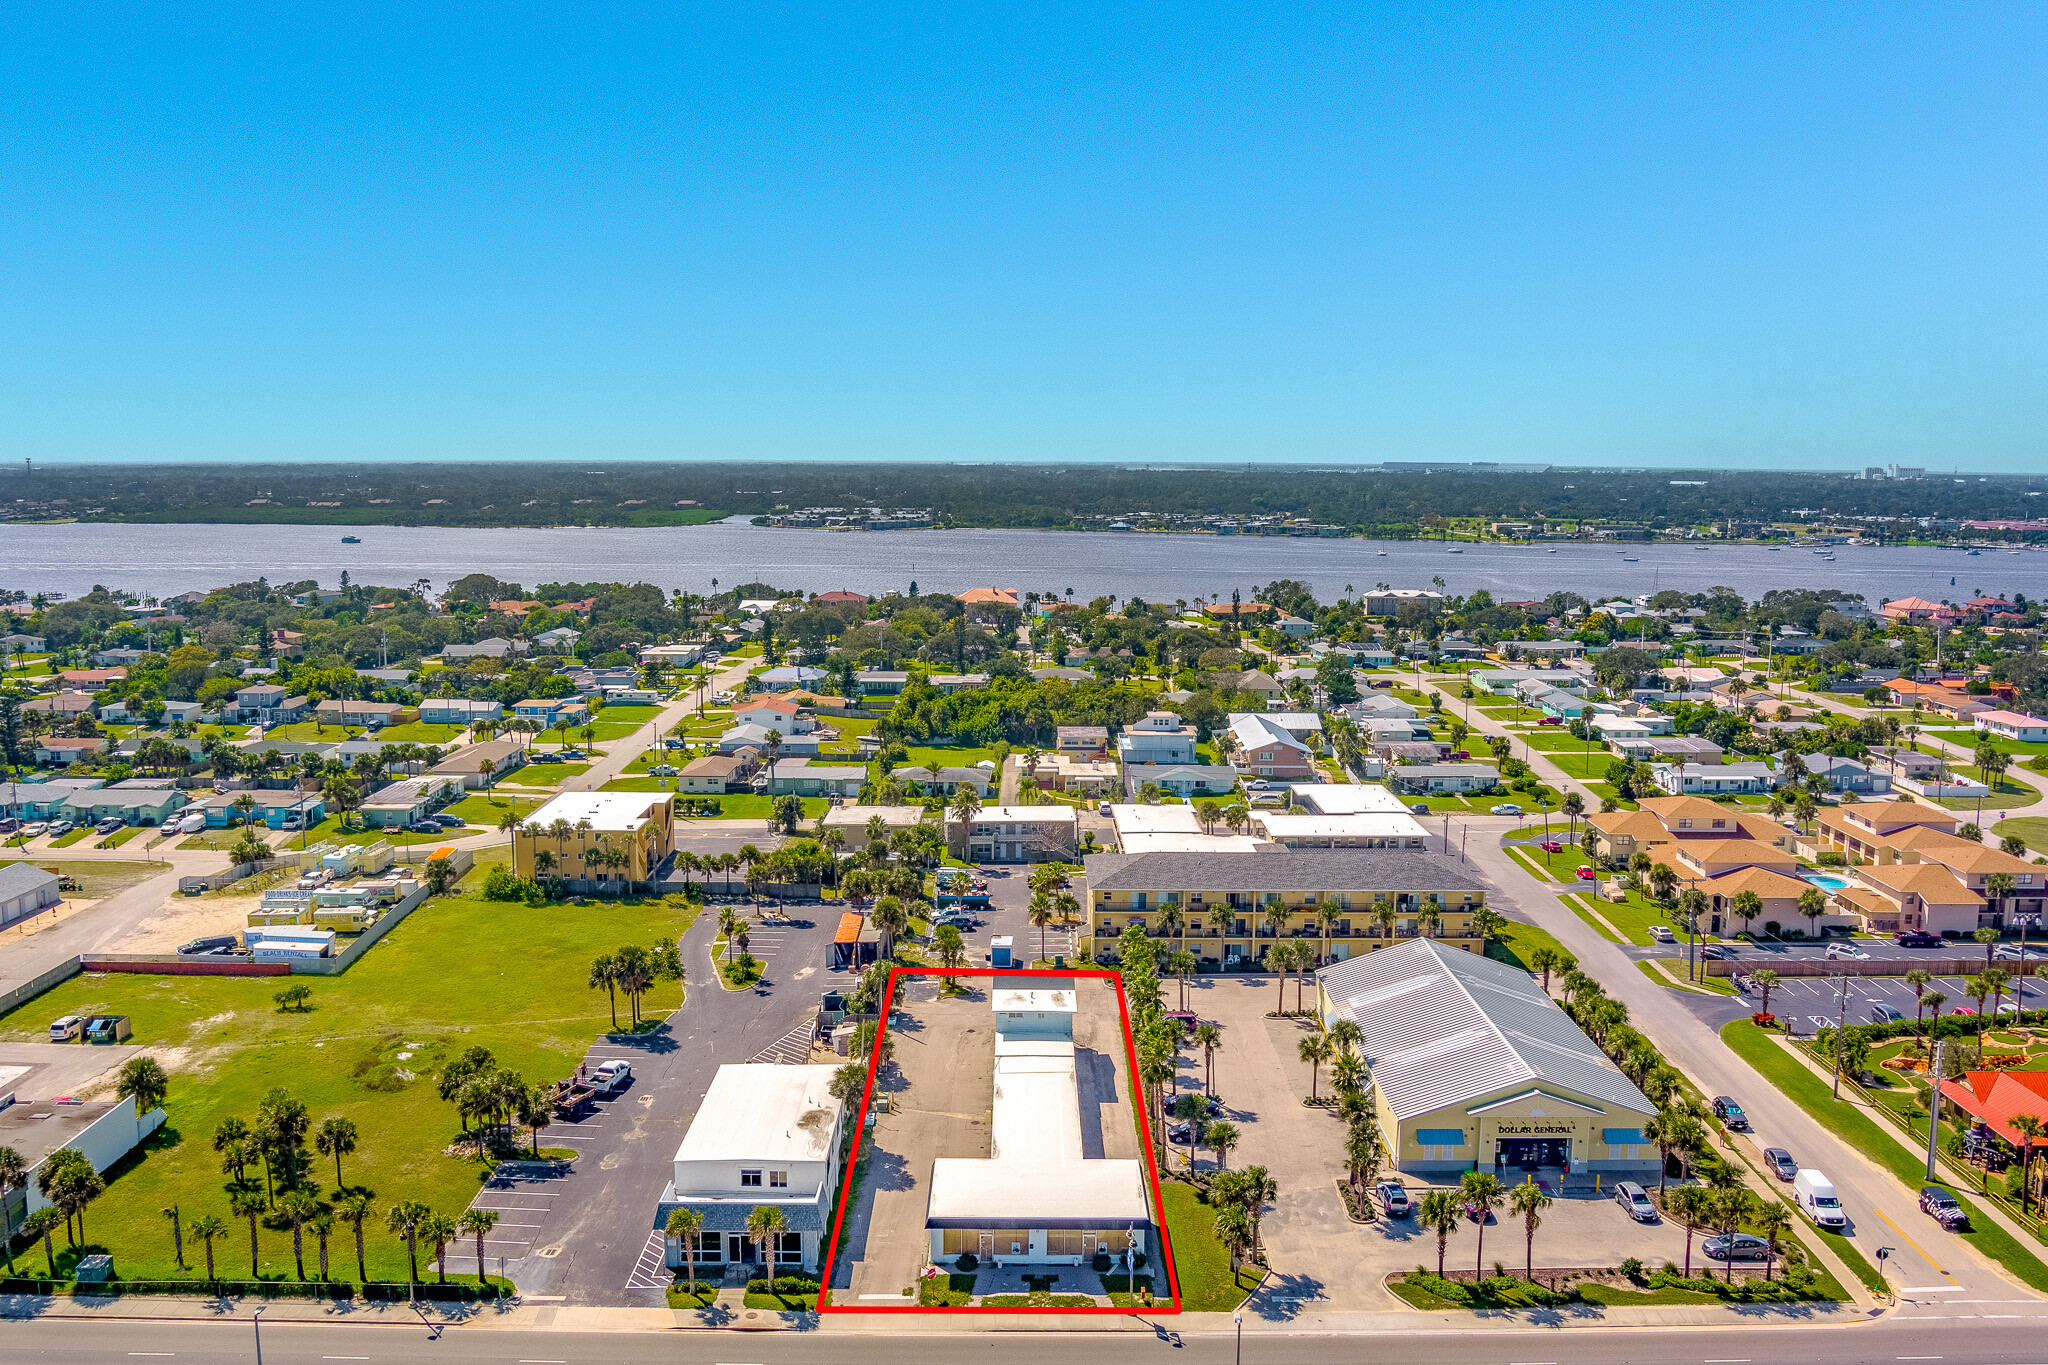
1815 1002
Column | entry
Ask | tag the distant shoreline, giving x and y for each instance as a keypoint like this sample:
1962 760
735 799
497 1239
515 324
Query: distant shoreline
323 517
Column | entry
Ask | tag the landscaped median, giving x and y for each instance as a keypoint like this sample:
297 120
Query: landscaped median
1627 1286
1850 1123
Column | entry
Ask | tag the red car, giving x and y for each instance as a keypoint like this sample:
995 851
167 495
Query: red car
1551 720
1585 874
1553 846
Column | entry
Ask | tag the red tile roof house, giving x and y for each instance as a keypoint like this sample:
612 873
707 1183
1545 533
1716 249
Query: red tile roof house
1917 611
1995 1098
92 679
832 598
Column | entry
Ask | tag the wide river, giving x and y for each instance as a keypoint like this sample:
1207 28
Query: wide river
71 558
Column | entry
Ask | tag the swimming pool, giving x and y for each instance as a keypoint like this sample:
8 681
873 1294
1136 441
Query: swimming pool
1826 882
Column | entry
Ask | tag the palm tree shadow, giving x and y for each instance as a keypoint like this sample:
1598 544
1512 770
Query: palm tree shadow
1283 1298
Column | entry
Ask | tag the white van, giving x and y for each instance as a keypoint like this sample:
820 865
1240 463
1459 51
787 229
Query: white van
1818 1200
65 1029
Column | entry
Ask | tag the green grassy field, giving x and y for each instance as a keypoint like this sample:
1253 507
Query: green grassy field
485 810
747 807
366 1049
2032 829
946 756
1632 917
331 830
1969 737
2007 792
543 774
312 732
1199 1258
628 714
98 879
1518 941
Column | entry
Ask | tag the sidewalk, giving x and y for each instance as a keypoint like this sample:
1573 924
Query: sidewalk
1271 1318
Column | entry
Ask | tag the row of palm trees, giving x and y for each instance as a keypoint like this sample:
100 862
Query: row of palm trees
765 1229
495 1099
632 972
411 1221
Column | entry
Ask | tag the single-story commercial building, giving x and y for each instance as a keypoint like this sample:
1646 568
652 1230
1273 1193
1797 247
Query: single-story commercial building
765 1136
856 823
1432 778
102 1131
1037 1198
466 765
1474 1067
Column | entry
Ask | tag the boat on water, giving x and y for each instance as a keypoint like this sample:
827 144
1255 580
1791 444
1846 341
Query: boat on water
1459 552
1383 554
1629 559
351 540
1976 552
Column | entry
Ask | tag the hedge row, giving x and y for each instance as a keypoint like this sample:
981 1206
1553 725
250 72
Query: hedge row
262 1289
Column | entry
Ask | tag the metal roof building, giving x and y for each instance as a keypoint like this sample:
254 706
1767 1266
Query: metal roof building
1472 1064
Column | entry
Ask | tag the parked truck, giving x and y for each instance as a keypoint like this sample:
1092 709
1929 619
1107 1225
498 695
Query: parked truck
1818 1200
611 1077
572 1096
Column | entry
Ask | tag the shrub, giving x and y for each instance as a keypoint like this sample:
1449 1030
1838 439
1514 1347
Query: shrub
967 1265
1632 1267
1763 1019
501 885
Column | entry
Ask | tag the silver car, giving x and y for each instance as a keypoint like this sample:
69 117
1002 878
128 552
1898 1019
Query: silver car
1636 1200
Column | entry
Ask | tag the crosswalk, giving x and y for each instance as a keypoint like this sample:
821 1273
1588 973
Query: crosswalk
651 1270
791 1049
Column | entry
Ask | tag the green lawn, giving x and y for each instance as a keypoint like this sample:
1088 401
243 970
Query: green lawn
2008 792
635 715
485 810
1969 737
331 830
747 807
314 732
66 840
544 774
1518 940
640 783
1199 1258
99 879
1862 1132
1632 917
425 990
2032 829
947 756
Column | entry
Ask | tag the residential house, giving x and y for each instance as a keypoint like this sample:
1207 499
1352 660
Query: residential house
1845 774
135 802
1261 748
91 679
458 711
755 737
1256 681
1185 780
1869 830
949 683
853 822
269 704
410 800
42 800
1294 626
493 647
841 598
639 824
764 1136
1974 865
15 642
1082 741
552 712
1388 601
1300 724
2012 725
1246 615
945 781
985 605
802 777
466 765
1378 706
718 774
1016 834
64 705
122 658
789 676
268 806
63 752
881 682
1436 779
1563 705
370 715
1089 777
1392 752
1918 611
1714 779
1943 700
1159 737
1234 906
559 640
1671 749
773 713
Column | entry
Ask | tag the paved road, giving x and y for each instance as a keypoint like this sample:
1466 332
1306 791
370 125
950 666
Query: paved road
1882 1211
1985 1340
25 957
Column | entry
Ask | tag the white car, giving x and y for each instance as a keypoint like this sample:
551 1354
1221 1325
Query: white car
61 827
1662 933
34 829
1846 950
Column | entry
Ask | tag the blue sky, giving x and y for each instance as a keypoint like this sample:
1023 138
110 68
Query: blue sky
1760 236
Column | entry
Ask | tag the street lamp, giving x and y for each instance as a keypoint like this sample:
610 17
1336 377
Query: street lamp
1237 1318
256 1322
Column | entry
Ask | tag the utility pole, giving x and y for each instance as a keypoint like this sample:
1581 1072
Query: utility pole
1934 1103
1841 1020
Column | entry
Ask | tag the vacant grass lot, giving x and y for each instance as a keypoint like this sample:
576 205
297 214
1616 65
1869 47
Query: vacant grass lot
2007 792
947 756
1199 1257
98 880
2032 829
484 810
367 1048
543 774
316 732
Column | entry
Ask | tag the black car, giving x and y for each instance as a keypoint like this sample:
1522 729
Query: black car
212 944
1917 938
1730 1113
1166 1110
1740 1247
1781 1163
1943 1208
1182 1133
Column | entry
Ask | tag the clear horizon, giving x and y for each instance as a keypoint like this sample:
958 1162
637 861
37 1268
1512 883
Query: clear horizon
1591 237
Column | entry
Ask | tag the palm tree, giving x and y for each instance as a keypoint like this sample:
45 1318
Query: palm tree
336 1138
890 919
299 1207
685 1225
1687 1204
1771 1220
437 1230
765 1226
1208 1037
144 1079
405 1219
1481 1191
477 1222
1747 905
1326 919
1917 981
604 972
205 1228
251 1207
41 1225
355 1209
1221 1138
1529 1200
1314 1049
1040 915
1441 1212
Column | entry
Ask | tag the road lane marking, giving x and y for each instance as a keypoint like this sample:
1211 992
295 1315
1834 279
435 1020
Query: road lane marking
1938 1266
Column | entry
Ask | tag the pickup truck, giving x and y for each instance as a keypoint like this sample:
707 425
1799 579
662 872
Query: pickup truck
611 1077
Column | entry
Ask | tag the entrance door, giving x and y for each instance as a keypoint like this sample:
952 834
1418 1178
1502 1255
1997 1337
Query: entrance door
1088 1244
1530 1154
988 1247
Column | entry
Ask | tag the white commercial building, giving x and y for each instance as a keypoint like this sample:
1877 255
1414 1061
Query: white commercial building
1037 1198
765 1136
1367 829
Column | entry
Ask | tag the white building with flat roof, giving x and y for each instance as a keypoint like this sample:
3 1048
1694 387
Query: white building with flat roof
1366 829
1037 1198
765 1136
1347 798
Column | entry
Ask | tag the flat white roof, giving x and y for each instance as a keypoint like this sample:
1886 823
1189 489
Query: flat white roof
762 1111
1363 825
1175 841
896 817
1043 999
616 812
1037 1176
1347 798
1155 820
1044 815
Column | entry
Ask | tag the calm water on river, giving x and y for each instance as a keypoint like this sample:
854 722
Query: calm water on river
168 559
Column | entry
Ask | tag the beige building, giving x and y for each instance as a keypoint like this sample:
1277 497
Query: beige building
1474 1067
576 825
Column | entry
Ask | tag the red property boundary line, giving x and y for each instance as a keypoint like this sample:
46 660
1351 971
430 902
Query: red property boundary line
1145 1132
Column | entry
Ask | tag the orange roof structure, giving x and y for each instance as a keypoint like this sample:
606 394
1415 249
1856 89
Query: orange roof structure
849 928
1995 1098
